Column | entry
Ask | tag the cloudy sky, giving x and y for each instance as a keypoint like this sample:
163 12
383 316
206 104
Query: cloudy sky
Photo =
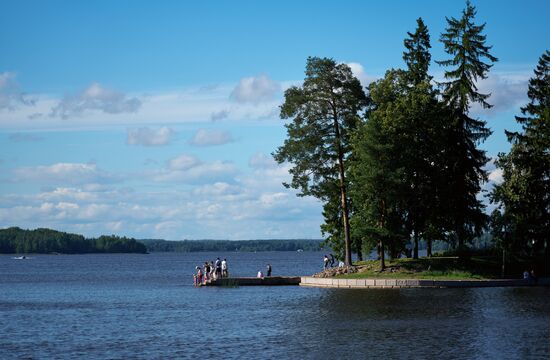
158 119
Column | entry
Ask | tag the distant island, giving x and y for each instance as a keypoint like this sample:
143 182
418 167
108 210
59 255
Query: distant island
232 245
15 240
46 241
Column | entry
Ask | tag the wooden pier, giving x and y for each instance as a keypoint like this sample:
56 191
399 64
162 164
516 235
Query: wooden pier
254 281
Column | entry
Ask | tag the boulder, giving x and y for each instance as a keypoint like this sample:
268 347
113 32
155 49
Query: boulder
332 272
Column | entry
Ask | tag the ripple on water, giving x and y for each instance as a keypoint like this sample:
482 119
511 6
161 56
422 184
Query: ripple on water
127 307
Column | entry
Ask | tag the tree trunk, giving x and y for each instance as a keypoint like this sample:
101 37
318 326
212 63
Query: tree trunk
359 252
343 195
429 247
382 261
547 256
415 253
503 270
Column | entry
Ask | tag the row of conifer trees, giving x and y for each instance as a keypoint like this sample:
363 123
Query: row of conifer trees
400 160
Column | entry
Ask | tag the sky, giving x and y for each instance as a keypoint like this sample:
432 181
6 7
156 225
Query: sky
158 119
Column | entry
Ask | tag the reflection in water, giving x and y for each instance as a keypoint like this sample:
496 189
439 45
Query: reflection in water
425 323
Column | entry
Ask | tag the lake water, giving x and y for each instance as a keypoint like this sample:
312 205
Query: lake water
145 307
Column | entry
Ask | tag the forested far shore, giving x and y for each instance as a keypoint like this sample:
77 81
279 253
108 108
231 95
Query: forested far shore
15 240
46 241
232 245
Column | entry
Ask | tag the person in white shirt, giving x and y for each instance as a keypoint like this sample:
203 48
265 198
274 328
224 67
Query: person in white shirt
224 268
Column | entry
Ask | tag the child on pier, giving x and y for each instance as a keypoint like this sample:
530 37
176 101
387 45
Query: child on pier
198 278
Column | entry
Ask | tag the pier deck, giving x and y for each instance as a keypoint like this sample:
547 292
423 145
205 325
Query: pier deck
255 281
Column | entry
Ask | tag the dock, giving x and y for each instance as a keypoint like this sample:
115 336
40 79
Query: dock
255 281
371 283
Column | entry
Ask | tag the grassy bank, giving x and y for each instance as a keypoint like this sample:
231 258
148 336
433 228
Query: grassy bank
451 268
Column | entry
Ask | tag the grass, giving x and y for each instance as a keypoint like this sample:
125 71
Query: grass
441 268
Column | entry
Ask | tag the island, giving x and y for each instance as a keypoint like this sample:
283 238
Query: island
15 240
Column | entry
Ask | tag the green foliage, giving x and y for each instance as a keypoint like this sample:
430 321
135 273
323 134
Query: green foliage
231 245
452 268
417 57
44 241
398 155
376 171
464 41
325 110
522 219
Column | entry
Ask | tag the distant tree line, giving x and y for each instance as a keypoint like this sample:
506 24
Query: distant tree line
231 245
45 241
399 161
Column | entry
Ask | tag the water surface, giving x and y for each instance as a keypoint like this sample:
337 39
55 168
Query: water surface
144 307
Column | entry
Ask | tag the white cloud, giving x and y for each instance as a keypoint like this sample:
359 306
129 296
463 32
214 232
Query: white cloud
219 115
508 92
262 161
10 93
150 137
255 89
201 173
98 98
246 206
496 176
63 173
359 72
216 189
190 170
183 162
205 137
189 105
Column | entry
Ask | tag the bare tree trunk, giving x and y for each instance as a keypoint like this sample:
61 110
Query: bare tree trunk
343 195
429 247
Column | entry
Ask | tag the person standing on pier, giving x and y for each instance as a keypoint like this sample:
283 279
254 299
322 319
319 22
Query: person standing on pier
268 270
206 271
224 268
218 265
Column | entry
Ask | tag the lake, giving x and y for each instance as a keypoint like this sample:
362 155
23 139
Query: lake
126 306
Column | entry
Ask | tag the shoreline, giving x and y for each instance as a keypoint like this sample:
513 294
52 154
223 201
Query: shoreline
416 283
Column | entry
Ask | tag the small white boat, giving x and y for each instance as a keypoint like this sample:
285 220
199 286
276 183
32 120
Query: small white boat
21 258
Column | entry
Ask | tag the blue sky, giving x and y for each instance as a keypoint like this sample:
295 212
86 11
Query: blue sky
157 119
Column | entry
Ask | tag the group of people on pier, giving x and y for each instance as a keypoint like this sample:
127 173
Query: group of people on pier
210 271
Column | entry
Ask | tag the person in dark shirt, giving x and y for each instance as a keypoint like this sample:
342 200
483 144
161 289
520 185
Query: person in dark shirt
268 269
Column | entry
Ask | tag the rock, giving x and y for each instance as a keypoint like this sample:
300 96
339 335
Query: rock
331 272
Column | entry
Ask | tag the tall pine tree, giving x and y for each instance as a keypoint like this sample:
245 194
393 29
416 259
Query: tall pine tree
324 111
465 42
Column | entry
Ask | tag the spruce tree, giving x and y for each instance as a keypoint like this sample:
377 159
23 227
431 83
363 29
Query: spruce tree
421 132
524 196
417 56
465 42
